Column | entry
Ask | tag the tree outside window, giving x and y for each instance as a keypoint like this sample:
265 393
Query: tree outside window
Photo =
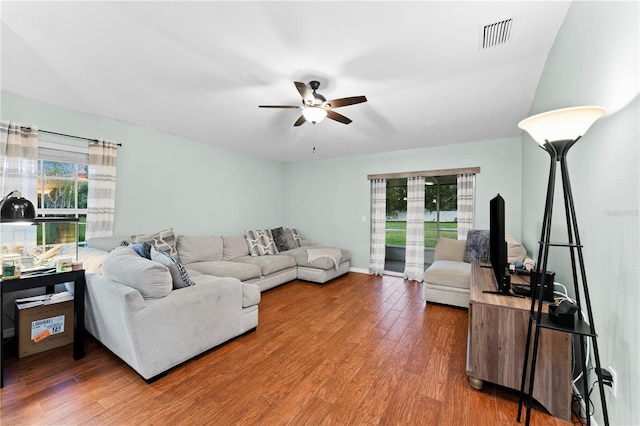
440 210
62 192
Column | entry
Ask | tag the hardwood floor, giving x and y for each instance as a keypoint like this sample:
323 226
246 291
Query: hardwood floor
359 350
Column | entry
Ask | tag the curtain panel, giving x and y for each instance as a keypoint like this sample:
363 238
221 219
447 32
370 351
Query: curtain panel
19 171
101 199
466 203
19 160
378 226
414 257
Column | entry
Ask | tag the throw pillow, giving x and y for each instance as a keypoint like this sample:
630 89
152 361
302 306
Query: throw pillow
296 237
450 249
124 266
260 242
515 251
283 238
179 275
164 240
477 246
143 249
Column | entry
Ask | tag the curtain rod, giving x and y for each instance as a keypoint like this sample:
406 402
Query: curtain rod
66 135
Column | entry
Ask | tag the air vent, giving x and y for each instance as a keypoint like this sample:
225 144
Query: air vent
496 34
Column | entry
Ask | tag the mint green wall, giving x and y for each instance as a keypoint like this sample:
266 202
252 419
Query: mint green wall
168 181
594 61
327 200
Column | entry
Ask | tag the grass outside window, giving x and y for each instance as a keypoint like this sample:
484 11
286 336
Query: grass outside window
396 233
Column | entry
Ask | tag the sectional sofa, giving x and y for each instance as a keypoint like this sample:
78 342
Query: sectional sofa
157 300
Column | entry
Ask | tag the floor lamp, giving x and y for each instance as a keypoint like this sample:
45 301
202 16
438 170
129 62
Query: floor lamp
556 132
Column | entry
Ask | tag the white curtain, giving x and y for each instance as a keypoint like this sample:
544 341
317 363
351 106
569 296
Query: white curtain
19 160
18 171
378 226
466 204
414 257
101 199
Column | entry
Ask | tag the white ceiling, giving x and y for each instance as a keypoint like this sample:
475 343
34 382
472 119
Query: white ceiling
200 69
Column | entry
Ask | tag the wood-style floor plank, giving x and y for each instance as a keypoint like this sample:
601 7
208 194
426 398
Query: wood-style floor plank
359 350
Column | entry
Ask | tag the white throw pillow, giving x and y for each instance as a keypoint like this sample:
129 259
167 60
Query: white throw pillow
125 266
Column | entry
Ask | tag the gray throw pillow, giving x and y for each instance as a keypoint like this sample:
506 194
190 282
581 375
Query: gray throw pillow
283 238
179 275
477 247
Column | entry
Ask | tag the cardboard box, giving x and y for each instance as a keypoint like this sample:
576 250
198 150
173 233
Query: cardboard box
44 325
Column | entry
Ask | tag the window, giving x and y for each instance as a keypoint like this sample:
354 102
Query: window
441 209
62 192
440 213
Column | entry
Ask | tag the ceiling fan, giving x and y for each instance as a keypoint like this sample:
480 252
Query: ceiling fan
316 107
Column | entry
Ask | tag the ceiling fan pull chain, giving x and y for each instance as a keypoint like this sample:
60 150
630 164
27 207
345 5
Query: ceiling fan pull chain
314 138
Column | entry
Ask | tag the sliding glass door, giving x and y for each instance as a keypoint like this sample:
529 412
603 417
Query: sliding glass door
440 218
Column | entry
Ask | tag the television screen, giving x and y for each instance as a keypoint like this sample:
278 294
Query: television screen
498 244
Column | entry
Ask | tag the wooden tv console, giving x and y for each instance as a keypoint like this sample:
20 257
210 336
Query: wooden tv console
496 344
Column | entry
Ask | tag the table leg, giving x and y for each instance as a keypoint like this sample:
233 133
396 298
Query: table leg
78 316
476 383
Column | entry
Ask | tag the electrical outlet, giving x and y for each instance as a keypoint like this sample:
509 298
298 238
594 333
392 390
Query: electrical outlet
614 382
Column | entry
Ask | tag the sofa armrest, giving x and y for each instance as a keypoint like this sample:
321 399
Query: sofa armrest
109 307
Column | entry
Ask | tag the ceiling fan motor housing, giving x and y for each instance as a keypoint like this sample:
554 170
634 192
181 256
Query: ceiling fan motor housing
318 98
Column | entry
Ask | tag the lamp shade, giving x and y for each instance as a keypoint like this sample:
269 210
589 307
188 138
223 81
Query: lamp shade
314 114
561 124
15 208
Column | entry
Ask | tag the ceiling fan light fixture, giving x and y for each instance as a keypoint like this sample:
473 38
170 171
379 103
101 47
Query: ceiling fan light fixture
314 114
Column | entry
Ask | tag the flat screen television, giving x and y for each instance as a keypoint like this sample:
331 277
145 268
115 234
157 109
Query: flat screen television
498 245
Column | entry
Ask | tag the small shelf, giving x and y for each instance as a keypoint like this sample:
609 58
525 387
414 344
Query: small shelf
579 327
551 244
55 219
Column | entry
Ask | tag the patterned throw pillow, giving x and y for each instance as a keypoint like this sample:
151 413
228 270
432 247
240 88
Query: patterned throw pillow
260 242
296 237
178 273
477 247
164 241
283 238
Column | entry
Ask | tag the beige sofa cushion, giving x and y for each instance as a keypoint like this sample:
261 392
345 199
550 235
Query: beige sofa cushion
152 279
268 264
515 251
223 268
234 246
449 273
193 249
450 249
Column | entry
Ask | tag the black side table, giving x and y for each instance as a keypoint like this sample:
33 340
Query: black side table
49 281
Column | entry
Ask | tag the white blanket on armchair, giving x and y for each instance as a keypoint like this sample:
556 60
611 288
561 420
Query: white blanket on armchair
334 254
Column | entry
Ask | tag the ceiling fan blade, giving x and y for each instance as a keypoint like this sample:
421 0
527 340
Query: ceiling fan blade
337 103
337 117
306 94
278 106
300 121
